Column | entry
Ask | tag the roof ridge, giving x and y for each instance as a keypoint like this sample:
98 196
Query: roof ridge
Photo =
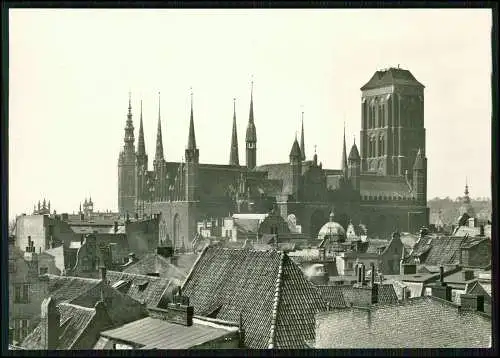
272 332
196 262
136 274
66 278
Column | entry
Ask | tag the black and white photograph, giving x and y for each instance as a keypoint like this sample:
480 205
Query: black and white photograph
249 179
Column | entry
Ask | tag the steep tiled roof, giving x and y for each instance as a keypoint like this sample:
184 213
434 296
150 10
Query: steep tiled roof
386 294
74 321
277 303
442 250
422 322
68 288
153 262
85 292
391 76
148 289
333 294
374 185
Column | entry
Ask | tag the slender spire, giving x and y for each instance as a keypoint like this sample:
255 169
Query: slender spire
159 140
466 192
302 145
251 132
344 153
191 138
234 157
141 147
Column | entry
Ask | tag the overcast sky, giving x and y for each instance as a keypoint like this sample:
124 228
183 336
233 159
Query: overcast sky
71 71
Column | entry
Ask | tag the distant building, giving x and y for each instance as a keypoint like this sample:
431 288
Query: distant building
383 185
26 291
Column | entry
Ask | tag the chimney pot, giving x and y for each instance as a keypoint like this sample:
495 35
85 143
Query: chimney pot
441 275
103 273
50 323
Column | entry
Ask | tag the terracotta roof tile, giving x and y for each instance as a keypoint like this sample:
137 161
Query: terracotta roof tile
148 289
74 321
441 250
225 282
422 322
333 294
152 263
386 294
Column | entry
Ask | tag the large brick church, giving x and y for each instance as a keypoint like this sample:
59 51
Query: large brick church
382 186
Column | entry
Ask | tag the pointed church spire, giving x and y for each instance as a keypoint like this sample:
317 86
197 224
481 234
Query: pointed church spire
159 140
302 146
141 147
192 137
344 154
251 102
466 192
251 136
234 157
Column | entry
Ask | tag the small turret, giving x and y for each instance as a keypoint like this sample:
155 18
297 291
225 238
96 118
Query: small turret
354 166
296 168
302 145
420 177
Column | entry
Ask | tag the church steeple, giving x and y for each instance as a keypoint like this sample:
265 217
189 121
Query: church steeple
126 167
159 140
302 145
251 137
141 147
191 137
234 157
129 127
344 156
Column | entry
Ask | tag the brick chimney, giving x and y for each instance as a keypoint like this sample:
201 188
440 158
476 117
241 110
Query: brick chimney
50 323
481 230
441 289
364 294
470 302
116 227
179 311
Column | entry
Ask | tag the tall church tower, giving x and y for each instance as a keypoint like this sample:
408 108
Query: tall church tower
126 168
251 138
392 122
141 168
192 154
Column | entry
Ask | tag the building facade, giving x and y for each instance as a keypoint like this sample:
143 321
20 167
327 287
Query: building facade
382 186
